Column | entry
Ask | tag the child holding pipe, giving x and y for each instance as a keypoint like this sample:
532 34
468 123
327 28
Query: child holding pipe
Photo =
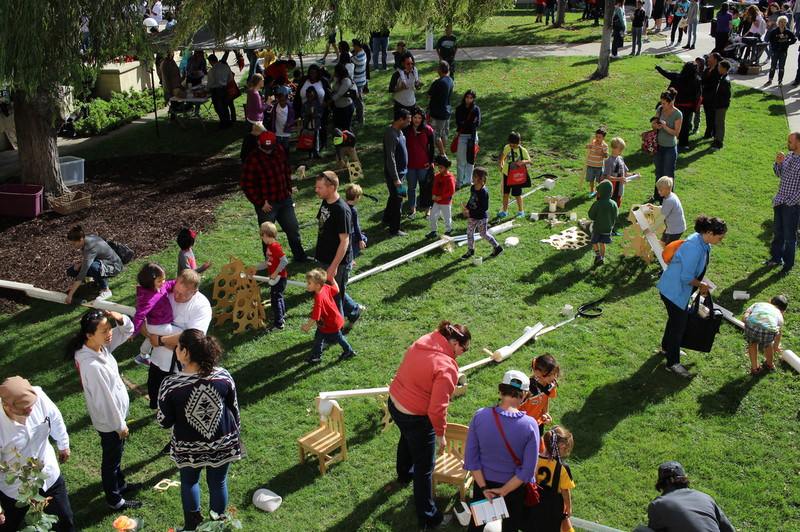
543 388
275 264
763 324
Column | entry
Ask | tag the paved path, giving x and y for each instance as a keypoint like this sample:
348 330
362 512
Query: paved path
705 43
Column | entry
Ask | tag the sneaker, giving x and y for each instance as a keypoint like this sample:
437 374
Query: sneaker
361 309
412 216
520 214
130 487
593 193
468 254
449 233
142 360
645 40
677 369
502 214
446 520
769 82
784 272
398 233
127 505
432 234
670 43
276 328
616 233
498 250
598 260
313 361
770 262
663 353
347 356
105 294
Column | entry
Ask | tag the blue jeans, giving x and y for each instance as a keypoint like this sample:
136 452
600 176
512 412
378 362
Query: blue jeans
416 457
217 481
347 307
276 301
778 62
413 177
673 331
549 14
463 168
691 34
283 213
666 159
379 44
636 40
784 243
93 272
322 339
113 479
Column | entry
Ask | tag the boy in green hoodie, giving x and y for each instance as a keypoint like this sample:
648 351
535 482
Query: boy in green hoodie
604 214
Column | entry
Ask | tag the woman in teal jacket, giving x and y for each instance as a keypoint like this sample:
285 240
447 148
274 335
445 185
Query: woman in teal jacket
683 275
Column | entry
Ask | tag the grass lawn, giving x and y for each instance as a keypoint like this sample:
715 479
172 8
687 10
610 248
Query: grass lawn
506 27
735 435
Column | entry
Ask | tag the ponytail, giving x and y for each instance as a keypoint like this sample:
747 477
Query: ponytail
205 351
456 332
89 323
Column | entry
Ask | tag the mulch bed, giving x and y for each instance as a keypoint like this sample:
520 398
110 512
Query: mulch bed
141 201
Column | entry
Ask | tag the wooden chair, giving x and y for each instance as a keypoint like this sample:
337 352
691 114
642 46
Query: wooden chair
448 467
325 439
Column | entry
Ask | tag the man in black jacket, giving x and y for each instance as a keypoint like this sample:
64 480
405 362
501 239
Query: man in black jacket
722 100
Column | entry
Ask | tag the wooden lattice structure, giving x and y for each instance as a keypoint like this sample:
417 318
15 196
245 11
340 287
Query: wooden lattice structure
356 172
572 238
634 243
237 297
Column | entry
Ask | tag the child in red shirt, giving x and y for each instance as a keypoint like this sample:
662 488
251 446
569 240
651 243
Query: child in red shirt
276 267
543 388
326 314
444 186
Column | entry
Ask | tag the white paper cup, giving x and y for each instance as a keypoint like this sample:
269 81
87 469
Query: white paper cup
534 216
549 184
477 261
552 206
567 310
740 295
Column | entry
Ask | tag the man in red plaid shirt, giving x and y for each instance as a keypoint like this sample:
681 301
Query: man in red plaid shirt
267 183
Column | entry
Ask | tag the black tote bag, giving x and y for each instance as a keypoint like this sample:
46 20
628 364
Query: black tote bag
700 332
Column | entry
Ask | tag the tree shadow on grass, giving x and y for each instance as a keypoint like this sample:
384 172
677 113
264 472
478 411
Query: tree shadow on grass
726 400
419 284
648 385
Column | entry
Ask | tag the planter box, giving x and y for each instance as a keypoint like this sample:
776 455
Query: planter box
24 201
71 170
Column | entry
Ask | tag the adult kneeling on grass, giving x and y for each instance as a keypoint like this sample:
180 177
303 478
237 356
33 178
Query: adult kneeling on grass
418 399
99 262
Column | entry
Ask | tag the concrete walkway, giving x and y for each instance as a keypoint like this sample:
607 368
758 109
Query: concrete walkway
791 95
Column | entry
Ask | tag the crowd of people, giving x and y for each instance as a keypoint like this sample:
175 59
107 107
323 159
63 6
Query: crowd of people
508 444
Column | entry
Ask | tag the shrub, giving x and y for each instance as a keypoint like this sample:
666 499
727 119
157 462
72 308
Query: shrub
123 107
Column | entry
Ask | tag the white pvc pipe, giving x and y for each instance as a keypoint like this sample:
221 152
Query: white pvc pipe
790 358
507 350
264 279
60 297
342 394
496 230
400 260
593 527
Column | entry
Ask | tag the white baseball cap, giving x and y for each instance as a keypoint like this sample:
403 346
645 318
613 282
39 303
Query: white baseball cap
516 375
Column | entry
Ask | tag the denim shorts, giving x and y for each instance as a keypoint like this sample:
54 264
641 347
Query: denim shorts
600 238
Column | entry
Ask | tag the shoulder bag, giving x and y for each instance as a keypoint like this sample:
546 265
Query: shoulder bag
701 330
519 174
531 488
454 144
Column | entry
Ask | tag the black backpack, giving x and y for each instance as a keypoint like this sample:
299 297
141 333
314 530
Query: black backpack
123 252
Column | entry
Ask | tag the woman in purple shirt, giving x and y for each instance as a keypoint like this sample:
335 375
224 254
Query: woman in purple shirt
488 454
724 19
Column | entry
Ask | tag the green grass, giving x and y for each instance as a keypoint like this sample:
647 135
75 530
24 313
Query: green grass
735 435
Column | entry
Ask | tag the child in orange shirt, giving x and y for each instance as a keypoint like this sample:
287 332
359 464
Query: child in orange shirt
545 370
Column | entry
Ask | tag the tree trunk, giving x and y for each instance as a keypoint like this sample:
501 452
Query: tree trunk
604 59
562 10
37 118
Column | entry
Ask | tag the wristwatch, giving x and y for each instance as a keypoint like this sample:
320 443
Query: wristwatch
160 343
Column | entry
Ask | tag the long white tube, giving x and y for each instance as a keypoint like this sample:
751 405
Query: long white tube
342 394
60 297
790 358
400 260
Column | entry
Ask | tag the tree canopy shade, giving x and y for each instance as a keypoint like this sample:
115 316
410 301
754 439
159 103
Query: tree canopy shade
40 52
40 47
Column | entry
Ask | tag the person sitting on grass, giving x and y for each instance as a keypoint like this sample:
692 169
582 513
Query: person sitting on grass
327 317
603 213
763 324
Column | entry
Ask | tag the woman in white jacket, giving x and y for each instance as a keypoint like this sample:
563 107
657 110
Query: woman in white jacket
106 397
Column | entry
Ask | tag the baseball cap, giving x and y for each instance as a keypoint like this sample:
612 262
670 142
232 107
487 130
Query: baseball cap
517 375
670 469
17 393
267 139
282 90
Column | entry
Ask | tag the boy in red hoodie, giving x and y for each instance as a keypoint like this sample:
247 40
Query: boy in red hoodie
444 186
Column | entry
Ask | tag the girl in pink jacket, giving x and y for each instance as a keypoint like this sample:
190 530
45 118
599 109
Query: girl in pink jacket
153 305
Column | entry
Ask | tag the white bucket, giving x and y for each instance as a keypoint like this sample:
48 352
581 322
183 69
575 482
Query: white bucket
534 216
549 184
477 261
567 310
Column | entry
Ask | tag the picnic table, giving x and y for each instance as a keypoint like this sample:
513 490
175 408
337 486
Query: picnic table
195 106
